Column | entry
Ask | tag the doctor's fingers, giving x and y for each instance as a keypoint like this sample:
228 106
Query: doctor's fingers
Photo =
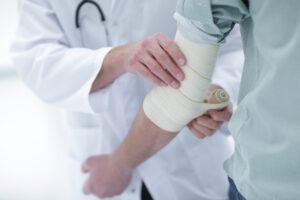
147 60
166 61
221 115
146 73
171 48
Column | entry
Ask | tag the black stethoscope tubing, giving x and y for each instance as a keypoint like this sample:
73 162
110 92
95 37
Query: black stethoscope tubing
81 4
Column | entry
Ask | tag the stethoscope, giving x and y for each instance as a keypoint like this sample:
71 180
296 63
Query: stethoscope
81 4
102 17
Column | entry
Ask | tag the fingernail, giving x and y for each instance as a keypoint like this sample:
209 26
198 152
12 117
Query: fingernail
174 84
181 62
179 76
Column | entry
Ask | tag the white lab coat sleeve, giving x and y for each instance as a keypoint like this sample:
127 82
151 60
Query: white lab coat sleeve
58 74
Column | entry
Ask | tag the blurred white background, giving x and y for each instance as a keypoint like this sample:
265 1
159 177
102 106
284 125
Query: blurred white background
33 158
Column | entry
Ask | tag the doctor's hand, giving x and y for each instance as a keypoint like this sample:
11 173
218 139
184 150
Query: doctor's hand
206 125
107 177
157 58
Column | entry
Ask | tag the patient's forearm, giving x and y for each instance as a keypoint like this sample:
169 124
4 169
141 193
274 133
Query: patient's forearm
166 110
143 141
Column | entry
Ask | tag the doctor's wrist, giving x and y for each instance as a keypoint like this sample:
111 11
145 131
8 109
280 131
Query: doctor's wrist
110 70
114 60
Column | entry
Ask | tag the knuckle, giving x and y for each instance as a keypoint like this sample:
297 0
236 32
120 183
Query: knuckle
199 120
145 43
159 35
132 61
214 124
135 58
194 123
200 135
139 52
169 45
215 117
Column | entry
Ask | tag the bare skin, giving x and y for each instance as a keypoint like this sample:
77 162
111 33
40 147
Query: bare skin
111 174
156 58
206 125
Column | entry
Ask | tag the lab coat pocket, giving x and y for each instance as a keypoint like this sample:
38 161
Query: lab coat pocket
238 121
85 142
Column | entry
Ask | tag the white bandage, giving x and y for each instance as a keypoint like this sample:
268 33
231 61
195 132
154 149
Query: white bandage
172 109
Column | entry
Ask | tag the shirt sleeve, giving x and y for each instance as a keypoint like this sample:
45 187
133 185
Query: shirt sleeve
55 71
229 66
209 21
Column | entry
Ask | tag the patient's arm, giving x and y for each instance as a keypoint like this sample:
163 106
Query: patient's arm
165 112
144 140
110 174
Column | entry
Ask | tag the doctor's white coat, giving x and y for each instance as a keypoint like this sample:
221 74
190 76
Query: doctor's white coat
59 63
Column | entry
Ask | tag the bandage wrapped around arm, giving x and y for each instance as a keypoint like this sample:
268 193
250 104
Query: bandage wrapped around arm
172 109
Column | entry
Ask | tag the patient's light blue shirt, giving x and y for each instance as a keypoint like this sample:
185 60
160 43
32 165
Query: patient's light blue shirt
266 125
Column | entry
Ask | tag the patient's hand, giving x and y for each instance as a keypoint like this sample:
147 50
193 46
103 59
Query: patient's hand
107 177
206 125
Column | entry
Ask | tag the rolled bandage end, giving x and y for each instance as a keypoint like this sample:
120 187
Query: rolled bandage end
171 109
218 96
168 109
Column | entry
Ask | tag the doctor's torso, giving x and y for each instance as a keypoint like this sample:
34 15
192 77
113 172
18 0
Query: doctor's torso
125 21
